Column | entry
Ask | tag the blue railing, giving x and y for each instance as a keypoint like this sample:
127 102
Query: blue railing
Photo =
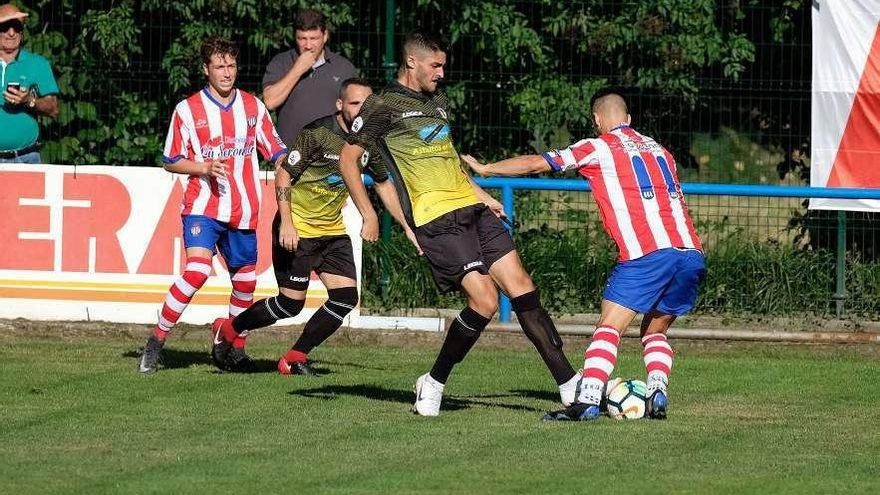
508 185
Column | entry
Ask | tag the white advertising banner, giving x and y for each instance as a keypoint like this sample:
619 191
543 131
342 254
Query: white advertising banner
846 100
104 243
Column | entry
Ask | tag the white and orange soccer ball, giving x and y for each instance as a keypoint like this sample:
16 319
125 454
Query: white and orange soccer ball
626 399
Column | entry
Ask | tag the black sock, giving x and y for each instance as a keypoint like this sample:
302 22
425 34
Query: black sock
541 331
267 311
461 336
327 319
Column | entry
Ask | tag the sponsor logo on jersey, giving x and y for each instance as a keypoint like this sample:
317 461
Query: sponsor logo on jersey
415 113
357 124
201 123
433 133
334 180
293 158
434 149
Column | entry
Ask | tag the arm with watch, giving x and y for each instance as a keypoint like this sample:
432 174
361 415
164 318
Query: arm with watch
39 105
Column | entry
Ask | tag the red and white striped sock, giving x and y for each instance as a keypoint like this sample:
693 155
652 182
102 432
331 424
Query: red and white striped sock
180 293
658 361
599 361
244 283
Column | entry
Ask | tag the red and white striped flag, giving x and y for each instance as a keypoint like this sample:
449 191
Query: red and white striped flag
846 100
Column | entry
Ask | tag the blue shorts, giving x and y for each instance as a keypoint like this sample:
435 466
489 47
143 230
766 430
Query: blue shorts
238 246
665 280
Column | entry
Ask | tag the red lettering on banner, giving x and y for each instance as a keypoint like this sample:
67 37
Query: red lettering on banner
268 207
17 253
107 210
159 258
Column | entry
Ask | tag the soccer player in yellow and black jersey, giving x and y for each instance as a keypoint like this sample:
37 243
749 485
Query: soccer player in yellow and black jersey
309 234
455 221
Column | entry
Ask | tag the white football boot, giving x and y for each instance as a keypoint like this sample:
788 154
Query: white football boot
568 390
429 393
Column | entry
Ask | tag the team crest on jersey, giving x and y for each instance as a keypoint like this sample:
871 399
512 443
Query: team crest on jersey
293 158
365 159
195 230
442 113
357 124
252 121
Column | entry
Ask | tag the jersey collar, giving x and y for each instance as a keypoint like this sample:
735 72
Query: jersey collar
220 105
396 87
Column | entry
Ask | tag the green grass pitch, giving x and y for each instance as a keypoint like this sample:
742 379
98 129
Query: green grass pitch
744 418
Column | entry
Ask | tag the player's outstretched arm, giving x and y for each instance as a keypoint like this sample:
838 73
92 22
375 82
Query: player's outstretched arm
288 236
389 198
351 174
517 165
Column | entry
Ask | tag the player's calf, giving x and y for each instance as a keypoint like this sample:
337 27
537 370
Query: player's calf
324 323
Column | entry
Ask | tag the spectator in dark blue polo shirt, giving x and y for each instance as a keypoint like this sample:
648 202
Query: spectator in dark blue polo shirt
29 90
304 82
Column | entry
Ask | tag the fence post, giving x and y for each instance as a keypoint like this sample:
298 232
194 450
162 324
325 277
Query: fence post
507 203
840 275
389 66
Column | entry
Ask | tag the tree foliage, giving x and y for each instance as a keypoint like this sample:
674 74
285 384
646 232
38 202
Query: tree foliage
524 69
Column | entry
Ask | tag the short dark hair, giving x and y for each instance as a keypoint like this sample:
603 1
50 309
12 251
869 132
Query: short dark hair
218 45
624 92
424 40
310 19
352 81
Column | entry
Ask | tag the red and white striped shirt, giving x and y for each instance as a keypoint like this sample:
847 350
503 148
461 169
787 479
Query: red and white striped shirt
203 130
635 184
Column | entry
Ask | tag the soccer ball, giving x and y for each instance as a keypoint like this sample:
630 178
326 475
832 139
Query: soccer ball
626 399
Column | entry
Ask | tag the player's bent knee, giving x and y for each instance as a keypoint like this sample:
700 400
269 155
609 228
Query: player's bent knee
343 299
289 306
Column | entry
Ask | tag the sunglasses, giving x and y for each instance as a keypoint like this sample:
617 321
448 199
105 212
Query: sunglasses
15 24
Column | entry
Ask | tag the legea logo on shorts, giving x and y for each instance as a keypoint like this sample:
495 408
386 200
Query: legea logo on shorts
299 279
473 264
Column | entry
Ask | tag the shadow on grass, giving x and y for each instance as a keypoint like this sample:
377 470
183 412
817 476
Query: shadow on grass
179 359
350 365
373 392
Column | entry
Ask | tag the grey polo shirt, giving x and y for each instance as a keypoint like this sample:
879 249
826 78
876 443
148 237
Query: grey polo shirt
314 96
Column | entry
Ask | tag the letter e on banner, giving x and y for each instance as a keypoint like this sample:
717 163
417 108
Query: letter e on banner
23 224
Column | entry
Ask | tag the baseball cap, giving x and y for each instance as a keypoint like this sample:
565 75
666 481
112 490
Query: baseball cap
9 12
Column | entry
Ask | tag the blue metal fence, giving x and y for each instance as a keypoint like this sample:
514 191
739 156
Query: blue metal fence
509 185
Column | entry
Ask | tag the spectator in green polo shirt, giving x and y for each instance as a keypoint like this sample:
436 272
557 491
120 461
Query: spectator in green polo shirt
29 90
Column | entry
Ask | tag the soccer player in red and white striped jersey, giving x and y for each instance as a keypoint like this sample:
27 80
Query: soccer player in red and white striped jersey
214 137
636 187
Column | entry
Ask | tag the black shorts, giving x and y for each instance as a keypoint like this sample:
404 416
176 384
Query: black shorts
463 240
327 254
